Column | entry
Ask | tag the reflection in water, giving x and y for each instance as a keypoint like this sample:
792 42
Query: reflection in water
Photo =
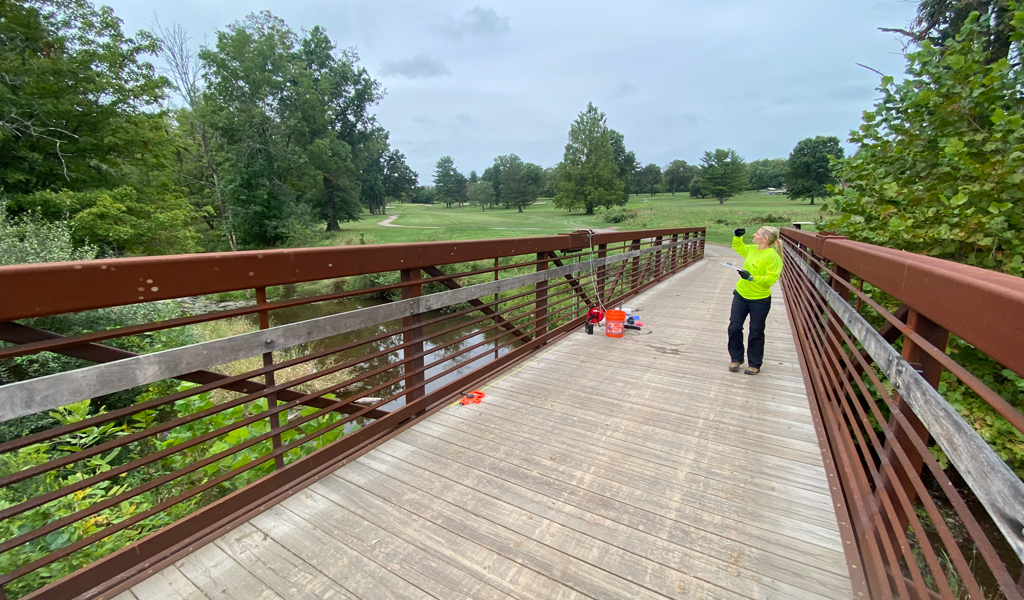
322 309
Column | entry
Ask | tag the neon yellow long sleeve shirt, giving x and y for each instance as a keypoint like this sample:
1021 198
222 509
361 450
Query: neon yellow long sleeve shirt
764 265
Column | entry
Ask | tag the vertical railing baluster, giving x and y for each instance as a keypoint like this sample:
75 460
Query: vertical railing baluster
414 375
602 272
269 380
497 335
541 298
674 253
659 258
635 273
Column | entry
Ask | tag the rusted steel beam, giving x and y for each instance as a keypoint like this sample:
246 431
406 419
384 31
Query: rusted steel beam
574 283
22 334
451 284
988 311
51 288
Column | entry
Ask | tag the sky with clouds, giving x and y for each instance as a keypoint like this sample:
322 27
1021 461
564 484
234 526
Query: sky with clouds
674 77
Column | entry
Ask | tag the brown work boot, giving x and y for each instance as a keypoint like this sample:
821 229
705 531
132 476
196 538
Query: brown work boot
735 366
751 371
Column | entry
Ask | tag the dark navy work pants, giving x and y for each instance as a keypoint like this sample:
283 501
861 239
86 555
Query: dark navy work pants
758 311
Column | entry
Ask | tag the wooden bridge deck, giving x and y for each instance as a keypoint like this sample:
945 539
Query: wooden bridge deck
637 468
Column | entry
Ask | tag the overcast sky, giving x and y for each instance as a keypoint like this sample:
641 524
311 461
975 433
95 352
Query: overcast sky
674 77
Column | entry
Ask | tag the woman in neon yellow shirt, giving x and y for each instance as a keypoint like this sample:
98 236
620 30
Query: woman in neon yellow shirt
762 266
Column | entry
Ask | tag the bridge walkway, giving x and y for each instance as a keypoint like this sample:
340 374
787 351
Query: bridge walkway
637 468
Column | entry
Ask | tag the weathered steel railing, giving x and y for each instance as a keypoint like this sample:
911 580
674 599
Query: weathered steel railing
911 528
205 439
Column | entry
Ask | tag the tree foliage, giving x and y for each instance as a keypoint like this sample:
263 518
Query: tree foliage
723 174
767 173
448 182
481 194
519 182
627 163
809 172
588 176
940 169
678 175
651 177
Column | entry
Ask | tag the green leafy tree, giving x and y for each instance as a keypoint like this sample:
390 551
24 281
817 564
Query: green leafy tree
247 86
448 182
940 21
474 178
481 194
723 174
678 175
78 102
940 170
809 172
520 182
399 180
697 188
424 194
588 176
651 176
767 173
628 165
547 183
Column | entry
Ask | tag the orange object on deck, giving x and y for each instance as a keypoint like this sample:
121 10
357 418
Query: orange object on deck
614 323
473 397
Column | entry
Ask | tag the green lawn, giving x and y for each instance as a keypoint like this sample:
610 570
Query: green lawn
437 223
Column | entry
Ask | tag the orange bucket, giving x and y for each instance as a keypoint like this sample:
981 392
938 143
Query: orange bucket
614 323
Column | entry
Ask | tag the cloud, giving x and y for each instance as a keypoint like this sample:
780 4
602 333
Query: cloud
420 65
626 89
464 118
423 120
477 22
854 92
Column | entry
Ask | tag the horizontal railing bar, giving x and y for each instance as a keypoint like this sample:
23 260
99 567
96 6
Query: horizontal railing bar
157 402
989 308
291 425
43 393
997 402
994 484
41 289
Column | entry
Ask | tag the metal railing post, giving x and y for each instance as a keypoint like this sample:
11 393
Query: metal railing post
602 283
635 273
674 261
931 371
541 297
659 259
414 376
268 379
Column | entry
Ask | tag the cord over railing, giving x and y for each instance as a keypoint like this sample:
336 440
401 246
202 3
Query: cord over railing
912 526
136 442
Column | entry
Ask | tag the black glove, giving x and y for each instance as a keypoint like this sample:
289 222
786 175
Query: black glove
739 232
745 275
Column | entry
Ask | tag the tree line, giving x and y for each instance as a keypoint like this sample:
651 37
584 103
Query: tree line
275 131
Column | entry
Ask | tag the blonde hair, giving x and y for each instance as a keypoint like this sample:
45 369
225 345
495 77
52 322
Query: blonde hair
772 233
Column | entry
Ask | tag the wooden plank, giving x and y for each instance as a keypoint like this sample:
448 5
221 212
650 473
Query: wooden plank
358 574
282 571
168 584
538 544
739 571
616 435
481 548
721 508
645 407
467 576
642 559
221 578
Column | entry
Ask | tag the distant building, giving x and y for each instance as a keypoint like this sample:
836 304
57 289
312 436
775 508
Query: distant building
774 192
